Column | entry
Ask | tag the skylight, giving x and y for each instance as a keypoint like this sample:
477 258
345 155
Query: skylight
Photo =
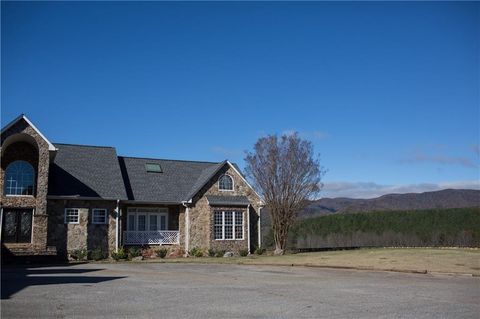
153 168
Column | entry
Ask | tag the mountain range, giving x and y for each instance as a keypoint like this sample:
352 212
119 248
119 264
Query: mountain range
447 198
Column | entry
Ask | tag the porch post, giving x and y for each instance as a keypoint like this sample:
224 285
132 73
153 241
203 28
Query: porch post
259 227
117 213
248 223
187 229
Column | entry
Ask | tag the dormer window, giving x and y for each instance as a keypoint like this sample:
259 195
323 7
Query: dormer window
225 183
153 168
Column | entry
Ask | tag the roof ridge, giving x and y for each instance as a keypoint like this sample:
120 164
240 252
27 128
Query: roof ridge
84 145
168 159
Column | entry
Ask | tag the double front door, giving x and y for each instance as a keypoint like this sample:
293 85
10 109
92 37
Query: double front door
17 225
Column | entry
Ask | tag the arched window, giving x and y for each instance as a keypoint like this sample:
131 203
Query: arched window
225 183
19 178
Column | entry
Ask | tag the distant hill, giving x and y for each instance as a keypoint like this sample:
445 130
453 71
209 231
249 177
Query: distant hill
447 198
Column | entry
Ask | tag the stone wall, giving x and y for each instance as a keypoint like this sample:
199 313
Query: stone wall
201 214
31 147
85 234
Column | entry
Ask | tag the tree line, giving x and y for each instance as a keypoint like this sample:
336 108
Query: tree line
458 227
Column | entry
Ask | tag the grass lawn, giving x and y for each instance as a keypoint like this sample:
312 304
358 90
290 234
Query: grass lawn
451 260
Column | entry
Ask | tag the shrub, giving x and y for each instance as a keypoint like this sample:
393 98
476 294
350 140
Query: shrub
79 254
177 252
134 252
260 251
147 252
162 252
243 252
196 252
120 254
97 254
219 253
211 252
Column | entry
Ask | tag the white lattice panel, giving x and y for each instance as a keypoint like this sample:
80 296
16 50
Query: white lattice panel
160 237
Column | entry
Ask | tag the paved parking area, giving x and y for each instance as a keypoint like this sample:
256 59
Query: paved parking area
229 291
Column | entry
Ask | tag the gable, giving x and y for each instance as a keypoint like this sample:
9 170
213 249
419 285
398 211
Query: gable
13 132
210 184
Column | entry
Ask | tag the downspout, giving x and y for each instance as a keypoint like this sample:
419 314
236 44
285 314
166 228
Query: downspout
117 217
187 227
248 227
259 227
1 221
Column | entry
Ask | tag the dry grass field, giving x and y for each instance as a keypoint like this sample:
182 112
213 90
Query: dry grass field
447 260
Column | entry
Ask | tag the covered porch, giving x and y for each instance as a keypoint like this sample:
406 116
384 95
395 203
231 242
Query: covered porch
151 225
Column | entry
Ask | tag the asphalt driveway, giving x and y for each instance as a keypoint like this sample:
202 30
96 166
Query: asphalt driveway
231 291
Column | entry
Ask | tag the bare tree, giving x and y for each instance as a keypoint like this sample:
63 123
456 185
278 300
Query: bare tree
288 174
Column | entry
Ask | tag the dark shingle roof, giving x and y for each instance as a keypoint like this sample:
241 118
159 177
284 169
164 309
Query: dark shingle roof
86 171
96 171
227 200
178 182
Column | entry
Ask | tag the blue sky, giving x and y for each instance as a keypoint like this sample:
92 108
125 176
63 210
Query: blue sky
387 92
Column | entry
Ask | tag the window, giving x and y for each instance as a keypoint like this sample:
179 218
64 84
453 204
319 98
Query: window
153 222
228 225
147 219
142 222
218 225
19 178
131 222
99 216
72 216
225 183
239 225
153 168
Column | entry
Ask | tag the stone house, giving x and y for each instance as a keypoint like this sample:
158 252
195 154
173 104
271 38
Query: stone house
61 197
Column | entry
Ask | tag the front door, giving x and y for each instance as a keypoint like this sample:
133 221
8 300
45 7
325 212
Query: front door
17 225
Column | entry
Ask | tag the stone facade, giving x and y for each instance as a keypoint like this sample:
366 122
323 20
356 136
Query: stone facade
201 214
85 234
22 142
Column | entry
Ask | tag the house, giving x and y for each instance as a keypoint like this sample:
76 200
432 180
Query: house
64 197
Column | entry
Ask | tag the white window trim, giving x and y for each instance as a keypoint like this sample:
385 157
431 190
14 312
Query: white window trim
233 225
105 213
147 211
226 190
65 216
20 195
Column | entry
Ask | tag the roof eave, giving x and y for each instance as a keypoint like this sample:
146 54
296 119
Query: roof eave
80 197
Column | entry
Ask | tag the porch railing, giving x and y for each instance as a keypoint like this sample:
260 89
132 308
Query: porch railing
158 237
